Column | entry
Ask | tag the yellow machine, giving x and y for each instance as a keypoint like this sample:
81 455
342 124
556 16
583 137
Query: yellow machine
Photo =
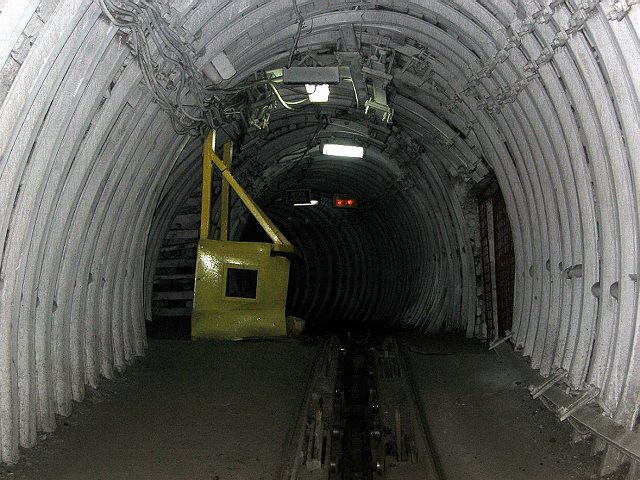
240 287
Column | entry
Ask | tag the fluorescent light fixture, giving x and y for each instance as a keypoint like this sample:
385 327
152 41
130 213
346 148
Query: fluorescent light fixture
342 150
303 75
318 93
311 203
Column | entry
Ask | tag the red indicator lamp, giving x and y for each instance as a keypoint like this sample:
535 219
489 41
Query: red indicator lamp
344 201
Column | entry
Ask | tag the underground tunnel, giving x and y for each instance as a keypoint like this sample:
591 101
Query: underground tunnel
482 281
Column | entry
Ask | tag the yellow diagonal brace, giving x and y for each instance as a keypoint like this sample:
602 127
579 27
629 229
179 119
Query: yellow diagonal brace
280 241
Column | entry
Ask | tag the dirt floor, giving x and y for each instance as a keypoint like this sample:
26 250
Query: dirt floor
190 410
203 410
483 422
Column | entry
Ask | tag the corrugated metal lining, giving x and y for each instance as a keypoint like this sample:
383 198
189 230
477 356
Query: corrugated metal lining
85 157
384 262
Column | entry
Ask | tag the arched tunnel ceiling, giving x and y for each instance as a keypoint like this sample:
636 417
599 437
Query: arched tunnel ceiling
543 94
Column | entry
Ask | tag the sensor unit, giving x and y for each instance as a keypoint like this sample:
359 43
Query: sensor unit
300 198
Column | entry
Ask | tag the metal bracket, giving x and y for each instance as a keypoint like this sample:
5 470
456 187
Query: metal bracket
502 340
548 383
585 397
387 111
620 9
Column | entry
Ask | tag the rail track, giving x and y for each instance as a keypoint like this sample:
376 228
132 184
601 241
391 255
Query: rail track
360 419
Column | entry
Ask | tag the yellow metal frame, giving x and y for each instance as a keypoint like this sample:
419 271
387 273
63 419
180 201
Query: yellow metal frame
215 315
209 158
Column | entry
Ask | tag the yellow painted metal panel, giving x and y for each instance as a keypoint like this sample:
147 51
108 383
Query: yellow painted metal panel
217 316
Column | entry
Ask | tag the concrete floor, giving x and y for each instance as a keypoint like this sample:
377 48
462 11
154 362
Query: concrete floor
484 423
197 410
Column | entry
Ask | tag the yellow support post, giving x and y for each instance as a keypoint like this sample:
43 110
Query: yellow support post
205 206
224 201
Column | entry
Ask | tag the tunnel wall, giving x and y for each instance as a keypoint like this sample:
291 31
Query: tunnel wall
547 96
76 211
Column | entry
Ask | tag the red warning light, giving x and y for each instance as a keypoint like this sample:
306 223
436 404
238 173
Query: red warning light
344 201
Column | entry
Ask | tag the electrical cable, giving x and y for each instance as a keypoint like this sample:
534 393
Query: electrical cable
296 38
169 70
355 92
279 97
145 22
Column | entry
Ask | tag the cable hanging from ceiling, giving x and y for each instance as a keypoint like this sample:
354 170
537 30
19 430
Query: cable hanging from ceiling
296 37
167 64
167 57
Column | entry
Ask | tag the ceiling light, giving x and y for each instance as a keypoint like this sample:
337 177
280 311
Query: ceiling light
318 93
310 203
342 150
